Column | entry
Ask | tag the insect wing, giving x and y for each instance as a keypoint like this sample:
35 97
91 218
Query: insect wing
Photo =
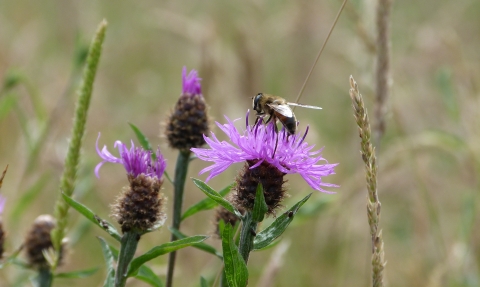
284 110
304 106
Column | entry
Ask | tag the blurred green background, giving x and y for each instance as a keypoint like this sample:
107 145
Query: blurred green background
429 157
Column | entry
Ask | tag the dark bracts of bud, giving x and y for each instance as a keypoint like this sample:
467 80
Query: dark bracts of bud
38 239
248 180
225 215
139 207
188 123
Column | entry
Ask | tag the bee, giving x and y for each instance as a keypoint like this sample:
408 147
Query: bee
277 108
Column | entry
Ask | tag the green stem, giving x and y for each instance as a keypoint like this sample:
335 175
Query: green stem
248 233
179 184
45 277
127 251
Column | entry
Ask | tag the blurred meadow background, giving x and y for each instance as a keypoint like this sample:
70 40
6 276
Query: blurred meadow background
429 156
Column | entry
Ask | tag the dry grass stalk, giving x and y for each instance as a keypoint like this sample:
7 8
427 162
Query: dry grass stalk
382 65
373 204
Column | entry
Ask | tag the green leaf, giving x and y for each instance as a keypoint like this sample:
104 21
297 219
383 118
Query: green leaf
148 276
142 139
269 234
236 271
144 272
260 206
85 211
107 254
216 197
161 250
203 282
202 246
77 274
206 203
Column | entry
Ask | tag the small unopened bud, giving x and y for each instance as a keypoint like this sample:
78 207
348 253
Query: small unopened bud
38 241
227 217
188 122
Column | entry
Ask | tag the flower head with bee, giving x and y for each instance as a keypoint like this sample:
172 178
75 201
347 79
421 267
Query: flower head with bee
267 158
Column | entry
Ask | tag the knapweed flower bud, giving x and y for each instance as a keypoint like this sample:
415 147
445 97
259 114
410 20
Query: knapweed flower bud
140 205
38 241
188 122
2 232
269 155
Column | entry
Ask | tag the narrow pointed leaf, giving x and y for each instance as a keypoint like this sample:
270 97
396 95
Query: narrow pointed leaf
260 206
202 246
145 143
107 254
148 276
206 203
142 139
269 234
77 274
236 271
216 197
85 211
161 250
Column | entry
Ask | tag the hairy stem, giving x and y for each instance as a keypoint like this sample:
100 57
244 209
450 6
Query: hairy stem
127 251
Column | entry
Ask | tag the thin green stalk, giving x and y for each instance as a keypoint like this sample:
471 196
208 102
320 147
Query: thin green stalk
247 235
67 182
181 170
128 246
44 278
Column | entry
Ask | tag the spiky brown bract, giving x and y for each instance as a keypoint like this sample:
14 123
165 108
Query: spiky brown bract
38 239
140 206
373 204
188 123
248 180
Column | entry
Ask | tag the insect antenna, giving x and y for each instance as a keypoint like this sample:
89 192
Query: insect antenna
319 53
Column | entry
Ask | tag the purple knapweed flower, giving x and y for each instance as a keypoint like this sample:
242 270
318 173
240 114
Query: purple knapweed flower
258 145
136 160
191 82
139 208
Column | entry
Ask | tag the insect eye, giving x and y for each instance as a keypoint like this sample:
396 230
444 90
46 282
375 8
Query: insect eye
256 100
